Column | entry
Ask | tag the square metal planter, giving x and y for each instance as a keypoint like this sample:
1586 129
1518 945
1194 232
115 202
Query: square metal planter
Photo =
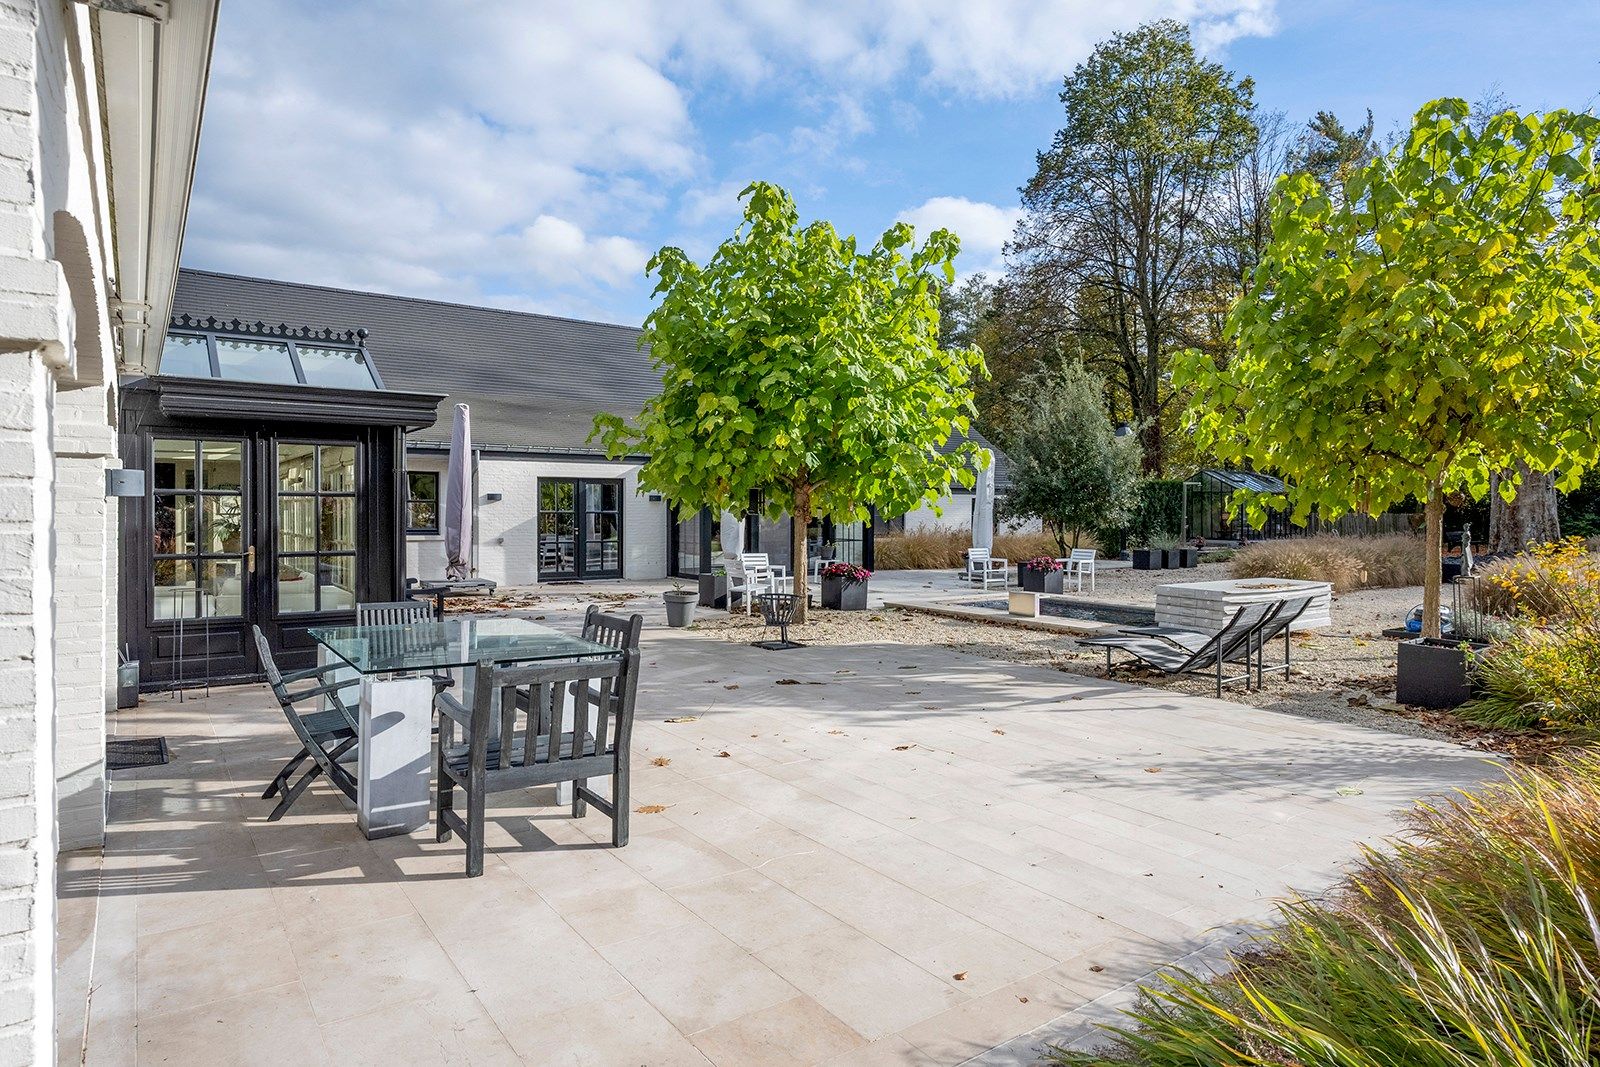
713 590
841 594
1040 581
1435 672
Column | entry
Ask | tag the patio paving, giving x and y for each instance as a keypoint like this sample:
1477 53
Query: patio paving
878 854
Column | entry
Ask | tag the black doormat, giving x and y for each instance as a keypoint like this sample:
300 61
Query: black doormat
127 753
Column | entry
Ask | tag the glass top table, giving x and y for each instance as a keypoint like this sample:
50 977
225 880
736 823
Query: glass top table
454 642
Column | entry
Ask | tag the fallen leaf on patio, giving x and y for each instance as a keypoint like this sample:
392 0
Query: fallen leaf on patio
906 668
913 692
1022 1000
836 731
661 761
787 681
1348 791
960 976
683 718
997 730
650 809
1152 770
735 685
1358 642
724 755
902 748
1096 968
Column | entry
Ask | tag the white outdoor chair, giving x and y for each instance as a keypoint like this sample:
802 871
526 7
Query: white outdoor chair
1082 561
750 575
982 567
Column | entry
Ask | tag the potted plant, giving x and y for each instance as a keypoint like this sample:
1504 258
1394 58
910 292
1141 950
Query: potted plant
680 604
844 586
1189 555
1437 672
1042 574
1148 559
714 589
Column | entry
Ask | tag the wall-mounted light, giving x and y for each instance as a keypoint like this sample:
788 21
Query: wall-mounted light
124 482
655 498
491 497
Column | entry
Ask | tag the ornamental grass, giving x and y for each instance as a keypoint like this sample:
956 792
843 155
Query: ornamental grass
945 547
1472 941
1348 562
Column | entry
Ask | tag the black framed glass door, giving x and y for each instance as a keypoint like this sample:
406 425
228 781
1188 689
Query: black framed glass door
580 528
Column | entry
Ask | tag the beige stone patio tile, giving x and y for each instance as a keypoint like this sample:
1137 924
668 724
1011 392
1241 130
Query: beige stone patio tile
565 870
268 1027
796 1033
450 1027
972 1028
751 909
668 855
235 889
696 977
344 887
213 961
986 959
533 967
620 1029
605 916
871 989
1036 919
891 1051
358 969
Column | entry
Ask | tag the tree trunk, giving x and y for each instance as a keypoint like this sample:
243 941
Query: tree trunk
1530 518
797 551
1154 460
1433 510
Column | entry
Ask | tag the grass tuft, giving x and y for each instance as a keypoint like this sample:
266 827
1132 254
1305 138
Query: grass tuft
945 547
1348 562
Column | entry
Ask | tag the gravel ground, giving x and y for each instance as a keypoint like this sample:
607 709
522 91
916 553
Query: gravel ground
1344 673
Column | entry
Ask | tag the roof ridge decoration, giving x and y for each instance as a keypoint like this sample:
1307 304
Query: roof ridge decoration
211 324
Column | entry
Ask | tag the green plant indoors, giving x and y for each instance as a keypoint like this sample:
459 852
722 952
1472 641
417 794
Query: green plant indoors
1432 325
1069 469
798 366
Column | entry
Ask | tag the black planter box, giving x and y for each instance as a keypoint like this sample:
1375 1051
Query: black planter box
1189 556
843 595
713 590
1040 581
1173 558
1148 559
1432 673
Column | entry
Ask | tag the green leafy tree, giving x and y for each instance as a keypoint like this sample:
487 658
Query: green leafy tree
1069 470
798 366
1330 152
1113 227
1431 326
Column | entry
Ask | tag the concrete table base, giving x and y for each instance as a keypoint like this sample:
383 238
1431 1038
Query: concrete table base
1207 606
394 772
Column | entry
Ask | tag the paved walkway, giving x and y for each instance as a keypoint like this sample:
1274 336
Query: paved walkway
865 855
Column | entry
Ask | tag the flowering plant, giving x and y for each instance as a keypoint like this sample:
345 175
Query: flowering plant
1042 563
848 571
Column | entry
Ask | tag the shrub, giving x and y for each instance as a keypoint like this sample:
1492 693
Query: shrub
1550 582
1538 677
1348 562
1469 941
945 547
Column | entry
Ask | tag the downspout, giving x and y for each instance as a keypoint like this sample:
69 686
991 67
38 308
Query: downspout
477 453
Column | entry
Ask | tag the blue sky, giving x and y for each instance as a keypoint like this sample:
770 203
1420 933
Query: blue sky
534 155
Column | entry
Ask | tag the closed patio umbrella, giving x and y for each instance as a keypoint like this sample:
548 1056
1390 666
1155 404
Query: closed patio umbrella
458 499
983 507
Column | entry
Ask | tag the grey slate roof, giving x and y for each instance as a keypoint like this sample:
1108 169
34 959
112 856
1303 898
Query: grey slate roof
534 382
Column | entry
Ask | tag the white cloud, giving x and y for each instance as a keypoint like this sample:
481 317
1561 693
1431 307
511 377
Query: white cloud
532 153
983 229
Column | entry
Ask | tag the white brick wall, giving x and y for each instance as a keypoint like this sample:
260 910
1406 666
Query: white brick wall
508 528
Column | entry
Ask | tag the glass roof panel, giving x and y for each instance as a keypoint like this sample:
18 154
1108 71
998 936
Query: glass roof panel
336 368
185 356
243 360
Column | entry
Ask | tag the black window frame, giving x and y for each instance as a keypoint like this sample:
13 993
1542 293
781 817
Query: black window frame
316 494
412 528
351 342
198 557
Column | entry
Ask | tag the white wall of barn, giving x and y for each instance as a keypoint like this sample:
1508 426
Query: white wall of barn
508 528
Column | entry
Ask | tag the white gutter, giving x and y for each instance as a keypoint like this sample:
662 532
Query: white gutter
155 60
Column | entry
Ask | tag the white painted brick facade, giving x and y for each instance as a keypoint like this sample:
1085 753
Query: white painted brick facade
507 534
57 414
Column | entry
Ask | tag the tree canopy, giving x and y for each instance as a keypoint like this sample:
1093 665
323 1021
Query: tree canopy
1432 325
1069 470
796 365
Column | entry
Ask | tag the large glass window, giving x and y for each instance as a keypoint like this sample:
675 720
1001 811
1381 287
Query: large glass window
241 359
422 502
336 368
316 551
198 527
186 355
558 527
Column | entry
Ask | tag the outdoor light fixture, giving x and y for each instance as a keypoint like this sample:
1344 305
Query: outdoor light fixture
491 497
124 482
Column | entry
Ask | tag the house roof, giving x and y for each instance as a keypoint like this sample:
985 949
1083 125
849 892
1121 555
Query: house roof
1248 481
534 382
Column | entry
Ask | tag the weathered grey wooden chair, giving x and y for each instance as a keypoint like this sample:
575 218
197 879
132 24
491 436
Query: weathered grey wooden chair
514 739
614 631
402 613
325 736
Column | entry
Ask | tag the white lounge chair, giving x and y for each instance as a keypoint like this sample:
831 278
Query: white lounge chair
982 567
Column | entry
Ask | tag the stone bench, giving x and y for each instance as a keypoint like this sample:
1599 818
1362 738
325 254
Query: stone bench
1207 606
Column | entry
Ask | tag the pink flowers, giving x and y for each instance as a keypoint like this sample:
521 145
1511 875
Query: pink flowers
848 571
1042 563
